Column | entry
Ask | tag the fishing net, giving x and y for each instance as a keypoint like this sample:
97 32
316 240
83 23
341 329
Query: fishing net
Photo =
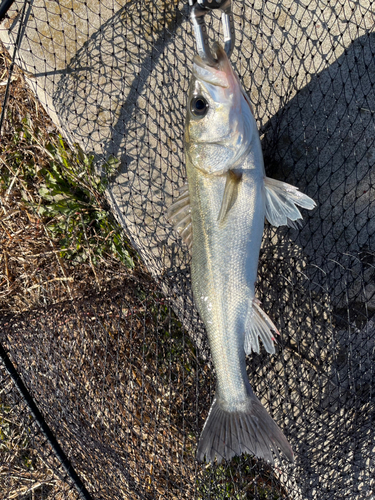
124 379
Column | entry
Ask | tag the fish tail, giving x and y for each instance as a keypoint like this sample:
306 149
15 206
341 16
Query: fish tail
229 433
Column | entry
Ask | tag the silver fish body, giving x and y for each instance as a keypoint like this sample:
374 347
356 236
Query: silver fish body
221 218
224 265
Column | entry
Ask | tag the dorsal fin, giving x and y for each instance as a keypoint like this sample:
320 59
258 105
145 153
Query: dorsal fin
179 214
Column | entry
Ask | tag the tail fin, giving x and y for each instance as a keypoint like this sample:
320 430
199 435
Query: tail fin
229 433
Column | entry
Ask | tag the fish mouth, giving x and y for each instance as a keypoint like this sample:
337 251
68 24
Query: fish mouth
221 74
219 55
218 74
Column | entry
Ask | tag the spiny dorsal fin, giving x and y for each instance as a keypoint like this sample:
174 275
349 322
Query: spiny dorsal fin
179 213
230 193
281 201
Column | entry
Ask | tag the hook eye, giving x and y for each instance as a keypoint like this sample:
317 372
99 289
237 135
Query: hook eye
198 11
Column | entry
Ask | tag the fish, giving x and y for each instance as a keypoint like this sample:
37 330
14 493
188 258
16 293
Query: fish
220 214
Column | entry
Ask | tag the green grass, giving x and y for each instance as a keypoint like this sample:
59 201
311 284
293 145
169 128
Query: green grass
66 192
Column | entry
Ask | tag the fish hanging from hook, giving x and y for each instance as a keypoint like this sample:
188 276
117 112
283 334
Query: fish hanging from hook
199 9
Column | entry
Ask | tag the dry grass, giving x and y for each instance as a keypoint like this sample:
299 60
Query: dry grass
28 467
24 473
128 334
32 270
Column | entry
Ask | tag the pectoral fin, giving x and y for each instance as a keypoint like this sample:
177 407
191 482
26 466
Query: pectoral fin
281 201
230 193
179 214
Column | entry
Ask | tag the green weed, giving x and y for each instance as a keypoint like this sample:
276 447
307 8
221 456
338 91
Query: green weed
70 197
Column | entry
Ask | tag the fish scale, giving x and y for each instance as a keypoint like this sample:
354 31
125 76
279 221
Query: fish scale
225 280
222 222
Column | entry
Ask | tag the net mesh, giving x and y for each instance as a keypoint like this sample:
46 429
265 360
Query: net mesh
28 465
124 379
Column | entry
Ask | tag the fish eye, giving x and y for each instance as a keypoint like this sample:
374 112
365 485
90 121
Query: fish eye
199 106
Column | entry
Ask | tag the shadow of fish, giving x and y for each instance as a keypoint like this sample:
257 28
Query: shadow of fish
220 215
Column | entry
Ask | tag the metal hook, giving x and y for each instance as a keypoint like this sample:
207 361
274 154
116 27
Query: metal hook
199 9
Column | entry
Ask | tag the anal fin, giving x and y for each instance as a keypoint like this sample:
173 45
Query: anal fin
259 326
